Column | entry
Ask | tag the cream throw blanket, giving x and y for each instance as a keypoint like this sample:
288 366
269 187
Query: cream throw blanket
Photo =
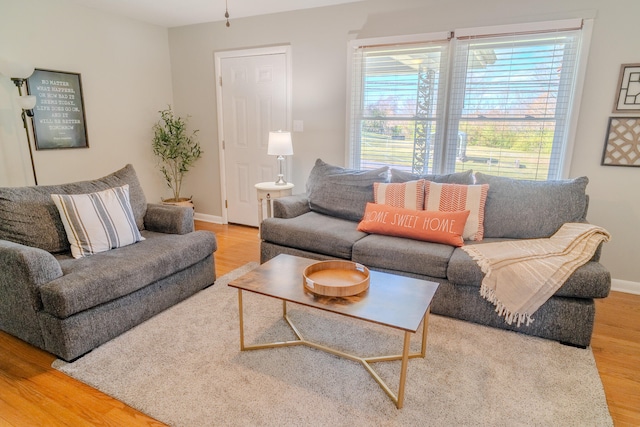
521 275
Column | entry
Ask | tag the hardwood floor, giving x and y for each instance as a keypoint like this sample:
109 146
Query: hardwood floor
34 394
616 349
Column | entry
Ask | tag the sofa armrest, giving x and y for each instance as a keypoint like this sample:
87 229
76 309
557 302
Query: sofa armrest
168 219
291 206
24 270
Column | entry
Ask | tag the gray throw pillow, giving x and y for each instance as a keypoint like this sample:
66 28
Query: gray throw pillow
341 192
464 178
524 209
29 217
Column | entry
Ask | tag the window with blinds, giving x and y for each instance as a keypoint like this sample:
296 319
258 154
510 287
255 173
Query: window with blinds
501 105
399 104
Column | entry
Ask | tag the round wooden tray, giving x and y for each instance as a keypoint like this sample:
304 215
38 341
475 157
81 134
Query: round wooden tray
336 278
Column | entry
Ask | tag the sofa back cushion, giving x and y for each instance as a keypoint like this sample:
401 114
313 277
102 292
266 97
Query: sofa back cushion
28 215
463 178
341 192
523 209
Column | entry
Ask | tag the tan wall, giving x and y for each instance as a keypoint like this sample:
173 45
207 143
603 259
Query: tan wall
319 44
126 79
127 76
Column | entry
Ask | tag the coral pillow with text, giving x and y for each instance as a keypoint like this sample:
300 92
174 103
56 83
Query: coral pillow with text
429 226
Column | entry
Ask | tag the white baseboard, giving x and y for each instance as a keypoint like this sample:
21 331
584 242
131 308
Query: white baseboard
625 286
207 218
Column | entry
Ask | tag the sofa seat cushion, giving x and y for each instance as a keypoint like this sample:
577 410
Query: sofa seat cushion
106 276
313 232
400 254
591 280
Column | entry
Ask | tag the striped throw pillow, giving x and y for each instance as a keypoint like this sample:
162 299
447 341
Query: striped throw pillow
406 195
97 222
456 197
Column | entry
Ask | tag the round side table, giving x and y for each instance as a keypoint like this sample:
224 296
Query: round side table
269 191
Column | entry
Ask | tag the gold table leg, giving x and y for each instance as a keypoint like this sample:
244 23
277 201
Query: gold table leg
241 319
365 361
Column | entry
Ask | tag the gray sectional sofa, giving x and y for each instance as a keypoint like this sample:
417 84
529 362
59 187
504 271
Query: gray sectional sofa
322 224
69 306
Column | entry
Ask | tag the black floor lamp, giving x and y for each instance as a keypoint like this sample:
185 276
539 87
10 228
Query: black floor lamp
18 73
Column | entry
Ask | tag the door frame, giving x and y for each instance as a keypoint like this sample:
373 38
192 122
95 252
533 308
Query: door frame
218 57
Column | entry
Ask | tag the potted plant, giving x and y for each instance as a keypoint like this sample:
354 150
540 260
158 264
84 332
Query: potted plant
177 150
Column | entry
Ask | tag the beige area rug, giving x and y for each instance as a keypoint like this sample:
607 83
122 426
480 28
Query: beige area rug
184 367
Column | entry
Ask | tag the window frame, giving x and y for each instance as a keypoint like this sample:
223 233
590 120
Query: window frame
442 156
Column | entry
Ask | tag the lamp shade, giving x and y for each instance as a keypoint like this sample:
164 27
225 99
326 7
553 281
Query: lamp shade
27 102
15 70
280 144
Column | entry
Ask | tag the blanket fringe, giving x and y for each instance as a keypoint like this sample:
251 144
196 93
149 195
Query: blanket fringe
502 311
483 263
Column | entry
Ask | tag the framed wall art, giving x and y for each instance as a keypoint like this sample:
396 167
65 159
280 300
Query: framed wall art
628 96
59 117
622 145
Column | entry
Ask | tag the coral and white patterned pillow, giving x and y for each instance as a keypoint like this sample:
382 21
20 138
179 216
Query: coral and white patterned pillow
456 197
407 195
97 222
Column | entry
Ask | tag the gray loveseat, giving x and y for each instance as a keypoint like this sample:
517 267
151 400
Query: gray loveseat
69 306
322 224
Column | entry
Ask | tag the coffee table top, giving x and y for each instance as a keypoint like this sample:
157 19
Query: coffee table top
391 300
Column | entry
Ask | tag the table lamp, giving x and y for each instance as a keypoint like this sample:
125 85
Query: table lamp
280 145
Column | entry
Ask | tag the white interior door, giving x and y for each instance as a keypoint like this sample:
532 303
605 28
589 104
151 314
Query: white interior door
255 100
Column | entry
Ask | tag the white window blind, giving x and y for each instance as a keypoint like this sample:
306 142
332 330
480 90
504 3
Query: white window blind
510 99
397 102
503 107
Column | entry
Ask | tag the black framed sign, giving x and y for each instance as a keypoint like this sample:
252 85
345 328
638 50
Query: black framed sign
58 117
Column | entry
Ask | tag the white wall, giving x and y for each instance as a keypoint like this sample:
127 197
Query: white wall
126 79
319 39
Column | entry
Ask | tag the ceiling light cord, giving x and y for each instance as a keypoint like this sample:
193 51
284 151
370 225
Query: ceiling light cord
226 12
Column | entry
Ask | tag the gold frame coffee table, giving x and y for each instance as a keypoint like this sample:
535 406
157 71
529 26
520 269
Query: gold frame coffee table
395 301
